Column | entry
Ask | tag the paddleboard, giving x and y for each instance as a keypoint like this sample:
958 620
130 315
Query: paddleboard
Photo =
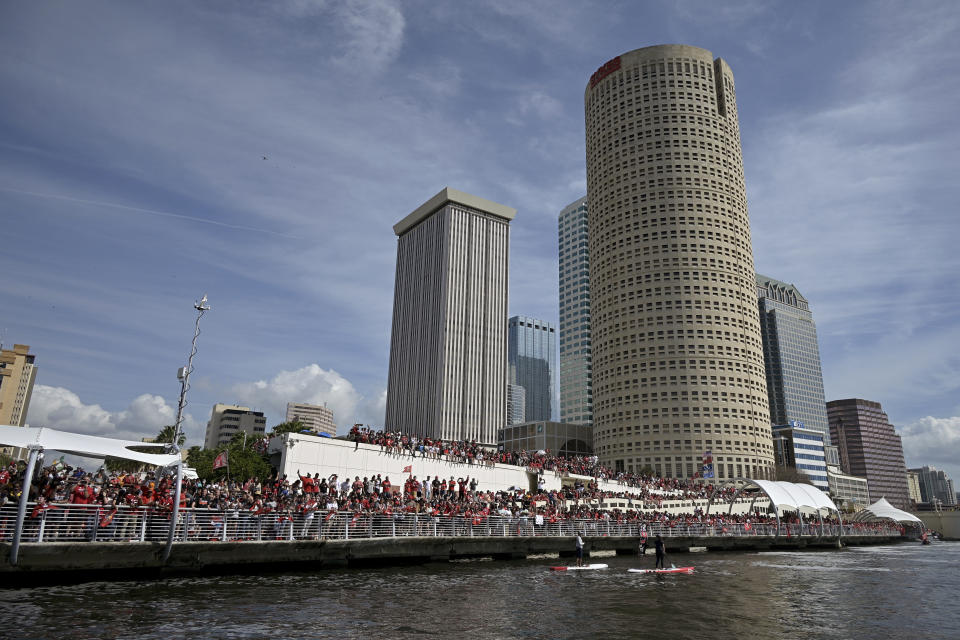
672 570
585 567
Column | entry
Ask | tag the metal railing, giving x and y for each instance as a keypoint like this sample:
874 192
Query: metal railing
90 523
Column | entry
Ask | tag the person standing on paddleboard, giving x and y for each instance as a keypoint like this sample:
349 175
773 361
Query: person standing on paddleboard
661 552
579 550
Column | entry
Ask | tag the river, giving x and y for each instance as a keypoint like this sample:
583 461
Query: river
900 591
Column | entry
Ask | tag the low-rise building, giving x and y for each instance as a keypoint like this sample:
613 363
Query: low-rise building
227 420
847 490
559 438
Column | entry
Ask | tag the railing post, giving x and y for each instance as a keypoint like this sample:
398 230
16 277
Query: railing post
43 522
290 535
143 524
393 526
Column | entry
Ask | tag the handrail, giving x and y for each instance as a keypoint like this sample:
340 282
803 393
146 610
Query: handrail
94 523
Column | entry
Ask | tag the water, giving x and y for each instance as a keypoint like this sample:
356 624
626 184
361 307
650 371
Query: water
905 591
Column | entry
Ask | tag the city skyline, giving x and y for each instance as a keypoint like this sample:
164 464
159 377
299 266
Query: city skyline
204 151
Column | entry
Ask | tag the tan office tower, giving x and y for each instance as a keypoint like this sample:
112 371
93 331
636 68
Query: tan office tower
677 353
18 372
312 416
448 347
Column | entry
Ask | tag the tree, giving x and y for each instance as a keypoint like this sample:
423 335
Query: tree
244 460
294 426
166 435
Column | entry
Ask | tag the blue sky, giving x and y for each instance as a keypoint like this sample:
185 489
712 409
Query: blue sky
260 152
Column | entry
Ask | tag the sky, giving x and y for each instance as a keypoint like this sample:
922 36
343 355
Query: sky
259 152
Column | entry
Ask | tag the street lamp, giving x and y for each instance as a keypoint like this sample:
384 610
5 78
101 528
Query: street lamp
183 374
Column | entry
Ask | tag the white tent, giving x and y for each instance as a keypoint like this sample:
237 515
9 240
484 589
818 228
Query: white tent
795 496
883 510
84 445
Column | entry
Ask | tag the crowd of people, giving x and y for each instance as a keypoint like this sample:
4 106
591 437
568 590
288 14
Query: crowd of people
315 500
639 486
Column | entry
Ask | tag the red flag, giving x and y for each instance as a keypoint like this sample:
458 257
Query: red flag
220 460
108 518
330 515
747 527
353 522
408 469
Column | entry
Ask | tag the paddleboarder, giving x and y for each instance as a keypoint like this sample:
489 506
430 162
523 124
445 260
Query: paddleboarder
579 550
658 547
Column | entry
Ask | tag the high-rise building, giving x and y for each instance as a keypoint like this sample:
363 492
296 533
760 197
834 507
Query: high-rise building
870 448
802 449
448 348
791 357
312 416
935 485
576 387
532 364
516 404
227 420
18 371
913 487
677 353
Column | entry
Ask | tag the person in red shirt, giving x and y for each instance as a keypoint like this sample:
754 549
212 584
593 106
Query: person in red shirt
79 493
386 485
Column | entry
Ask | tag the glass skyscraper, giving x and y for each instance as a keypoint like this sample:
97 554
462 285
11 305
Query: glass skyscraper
870 448
532 362
576 389
791 357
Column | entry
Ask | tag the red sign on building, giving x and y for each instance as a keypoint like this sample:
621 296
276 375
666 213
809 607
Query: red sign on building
608 67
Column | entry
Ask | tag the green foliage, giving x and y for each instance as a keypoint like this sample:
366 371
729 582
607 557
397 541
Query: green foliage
166 435
294 426
202 461
244 460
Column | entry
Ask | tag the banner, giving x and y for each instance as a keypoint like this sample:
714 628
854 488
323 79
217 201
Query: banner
220 460
408 469
707 464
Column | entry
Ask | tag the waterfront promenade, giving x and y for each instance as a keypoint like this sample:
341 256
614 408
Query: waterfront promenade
73 546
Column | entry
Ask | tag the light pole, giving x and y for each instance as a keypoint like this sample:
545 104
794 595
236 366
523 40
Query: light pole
183 374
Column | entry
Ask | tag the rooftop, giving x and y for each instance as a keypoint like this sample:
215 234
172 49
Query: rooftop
448 195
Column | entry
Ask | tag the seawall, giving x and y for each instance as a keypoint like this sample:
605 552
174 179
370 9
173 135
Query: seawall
67 562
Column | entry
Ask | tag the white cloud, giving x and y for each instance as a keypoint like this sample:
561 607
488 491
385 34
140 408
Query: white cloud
313 385
374 33
934 442
535 104
60 408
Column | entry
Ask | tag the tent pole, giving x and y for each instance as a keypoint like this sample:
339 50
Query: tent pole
35 450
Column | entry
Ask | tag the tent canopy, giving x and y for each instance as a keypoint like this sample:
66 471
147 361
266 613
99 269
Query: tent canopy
84 445
794 496
883 510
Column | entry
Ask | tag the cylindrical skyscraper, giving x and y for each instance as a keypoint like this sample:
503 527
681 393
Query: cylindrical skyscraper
678 366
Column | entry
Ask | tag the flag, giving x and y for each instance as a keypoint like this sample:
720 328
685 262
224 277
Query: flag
747 527
408 469
108 518
220 460
330 515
